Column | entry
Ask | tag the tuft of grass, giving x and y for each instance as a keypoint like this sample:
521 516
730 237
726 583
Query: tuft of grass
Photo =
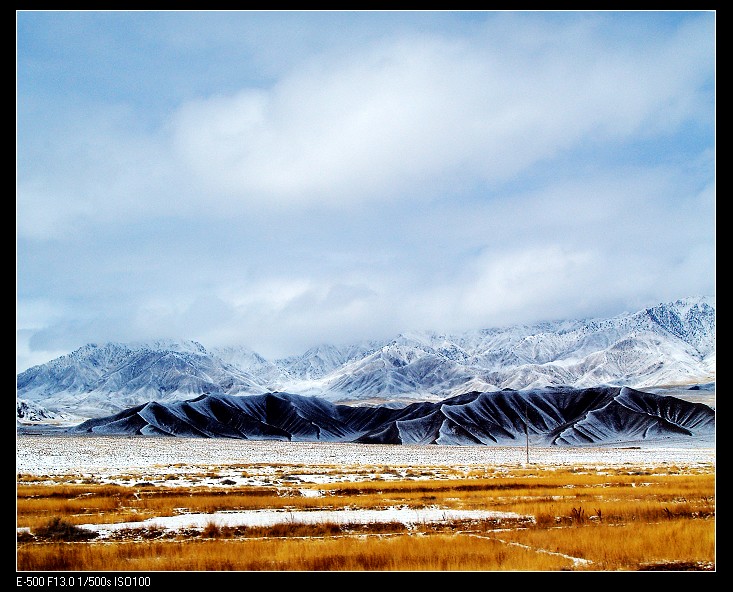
58 529
212 531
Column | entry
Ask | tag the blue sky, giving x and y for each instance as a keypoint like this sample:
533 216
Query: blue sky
283 179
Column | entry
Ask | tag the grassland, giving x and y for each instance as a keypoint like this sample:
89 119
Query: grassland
569 518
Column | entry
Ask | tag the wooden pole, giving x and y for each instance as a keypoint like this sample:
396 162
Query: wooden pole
526 429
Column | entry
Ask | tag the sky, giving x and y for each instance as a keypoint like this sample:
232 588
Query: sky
278 180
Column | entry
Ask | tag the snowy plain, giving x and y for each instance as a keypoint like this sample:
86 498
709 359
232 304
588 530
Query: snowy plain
114 455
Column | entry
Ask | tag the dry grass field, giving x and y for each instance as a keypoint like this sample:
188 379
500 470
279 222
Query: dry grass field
539 518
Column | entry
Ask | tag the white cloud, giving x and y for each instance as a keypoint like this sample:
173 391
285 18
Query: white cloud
513 172
395 120
407 117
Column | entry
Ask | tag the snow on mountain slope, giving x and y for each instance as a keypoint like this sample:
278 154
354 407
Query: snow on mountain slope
634 416
246 360
315 363
29 412
562 417
114 376
396 370
323 359
671 343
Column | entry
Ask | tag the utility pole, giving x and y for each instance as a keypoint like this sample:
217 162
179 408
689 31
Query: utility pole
526 429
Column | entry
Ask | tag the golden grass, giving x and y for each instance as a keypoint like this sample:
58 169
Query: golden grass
629 545
404 553
76 503
616 519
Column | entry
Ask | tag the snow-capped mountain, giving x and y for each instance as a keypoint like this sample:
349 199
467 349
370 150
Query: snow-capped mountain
98 379
667 344
555 417
29 412
671 343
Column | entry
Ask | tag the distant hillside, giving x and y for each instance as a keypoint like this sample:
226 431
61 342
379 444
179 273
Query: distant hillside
553 417
30 413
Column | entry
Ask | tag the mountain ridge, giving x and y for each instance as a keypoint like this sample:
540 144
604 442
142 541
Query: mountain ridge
552 417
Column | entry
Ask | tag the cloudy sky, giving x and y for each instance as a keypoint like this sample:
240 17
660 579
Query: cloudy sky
284 179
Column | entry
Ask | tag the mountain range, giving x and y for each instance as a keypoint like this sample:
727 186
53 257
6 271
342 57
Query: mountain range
668 344
549 417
